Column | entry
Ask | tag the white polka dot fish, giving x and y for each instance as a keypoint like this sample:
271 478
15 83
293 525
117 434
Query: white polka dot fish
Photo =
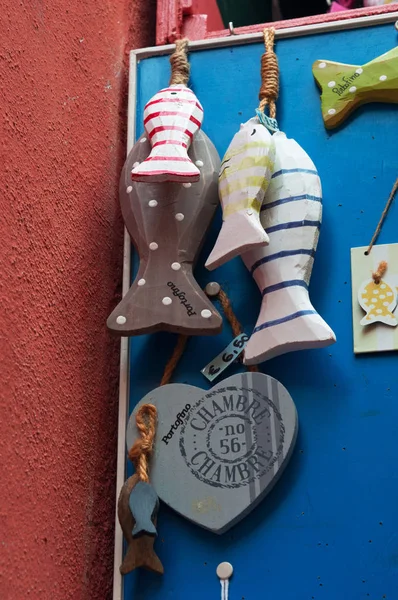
171 119
167 223
345 87
378 300
244 178
291 215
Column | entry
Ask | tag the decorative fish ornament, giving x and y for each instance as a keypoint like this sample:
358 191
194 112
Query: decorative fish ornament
140 552
244 178
378 300
171 119
144 505
291 215
345 87
167 223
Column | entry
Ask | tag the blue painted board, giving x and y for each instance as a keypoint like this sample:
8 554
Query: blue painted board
329 529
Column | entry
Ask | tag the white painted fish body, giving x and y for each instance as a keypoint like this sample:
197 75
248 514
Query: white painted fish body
244 178
171 119
291 214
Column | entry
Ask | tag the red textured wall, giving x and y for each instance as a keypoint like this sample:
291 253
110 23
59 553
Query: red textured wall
62 143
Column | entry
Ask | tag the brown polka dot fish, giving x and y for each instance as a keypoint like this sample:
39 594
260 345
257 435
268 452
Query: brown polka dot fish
378 300
167 223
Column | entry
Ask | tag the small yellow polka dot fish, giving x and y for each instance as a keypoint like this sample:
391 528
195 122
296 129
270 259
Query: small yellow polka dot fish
379 301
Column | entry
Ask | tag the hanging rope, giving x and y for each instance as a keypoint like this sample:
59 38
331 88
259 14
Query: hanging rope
142 448
180 68
382 218
232 320
269 90
146 416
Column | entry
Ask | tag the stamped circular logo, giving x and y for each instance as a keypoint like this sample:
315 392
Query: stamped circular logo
232 437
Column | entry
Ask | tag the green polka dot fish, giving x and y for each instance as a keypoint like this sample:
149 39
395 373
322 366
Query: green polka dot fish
345 87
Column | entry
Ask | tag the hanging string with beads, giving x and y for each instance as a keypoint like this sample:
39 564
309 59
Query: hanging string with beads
382 268
180 68
146 416
269 89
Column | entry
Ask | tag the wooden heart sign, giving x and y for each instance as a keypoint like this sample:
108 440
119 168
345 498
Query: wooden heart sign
219 452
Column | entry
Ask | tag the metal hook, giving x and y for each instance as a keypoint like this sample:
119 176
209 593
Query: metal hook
231 28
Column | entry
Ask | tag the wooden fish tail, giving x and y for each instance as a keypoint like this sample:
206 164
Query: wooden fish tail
140 552
240 232
167 163
140 312
344 87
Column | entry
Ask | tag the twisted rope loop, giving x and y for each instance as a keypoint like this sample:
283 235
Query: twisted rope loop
180 68
269 90
142 448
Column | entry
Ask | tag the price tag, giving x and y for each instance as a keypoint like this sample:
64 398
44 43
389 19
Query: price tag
226 357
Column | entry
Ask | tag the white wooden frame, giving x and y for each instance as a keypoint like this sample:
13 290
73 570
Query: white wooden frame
135 57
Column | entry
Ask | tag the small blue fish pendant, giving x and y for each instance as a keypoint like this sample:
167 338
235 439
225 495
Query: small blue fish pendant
144 505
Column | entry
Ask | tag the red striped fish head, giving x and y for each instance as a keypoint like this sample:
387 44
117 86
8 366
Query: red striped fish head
173 115
171 119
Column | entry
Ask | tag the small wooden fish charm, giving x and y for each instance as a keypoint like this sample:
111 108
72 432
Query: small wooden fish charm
345 87
144 505
378 300
138 524
244 178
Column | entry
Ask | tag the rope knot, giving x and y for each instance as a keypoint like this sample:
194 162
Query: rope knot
180 68
269 89
141 450
378 274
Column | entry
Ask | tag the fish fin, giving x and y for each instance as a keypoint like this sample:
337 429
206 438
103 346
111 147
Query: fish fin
174 303
166 163
302 330
140 554
147 529
336 105
240 232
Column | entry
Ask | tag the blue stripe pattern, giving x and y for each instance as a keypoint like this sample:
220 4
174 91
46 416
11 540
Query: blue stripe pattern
287 171
301 313
282 254
284 284
291 199
293 225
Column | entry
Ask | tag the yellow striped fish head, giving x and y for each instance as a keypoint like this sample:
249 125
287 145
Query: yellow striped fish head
247 167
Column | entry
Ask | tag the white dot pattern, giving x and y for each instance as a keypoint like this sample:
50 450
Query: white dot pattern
331 84
359 71
121 320
332 111
353 89
143 140
176 266
166 301
129 189
322 65
180 217
152 203
383 77
141 282
199 163
206 313
135 164
187 185
153 246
